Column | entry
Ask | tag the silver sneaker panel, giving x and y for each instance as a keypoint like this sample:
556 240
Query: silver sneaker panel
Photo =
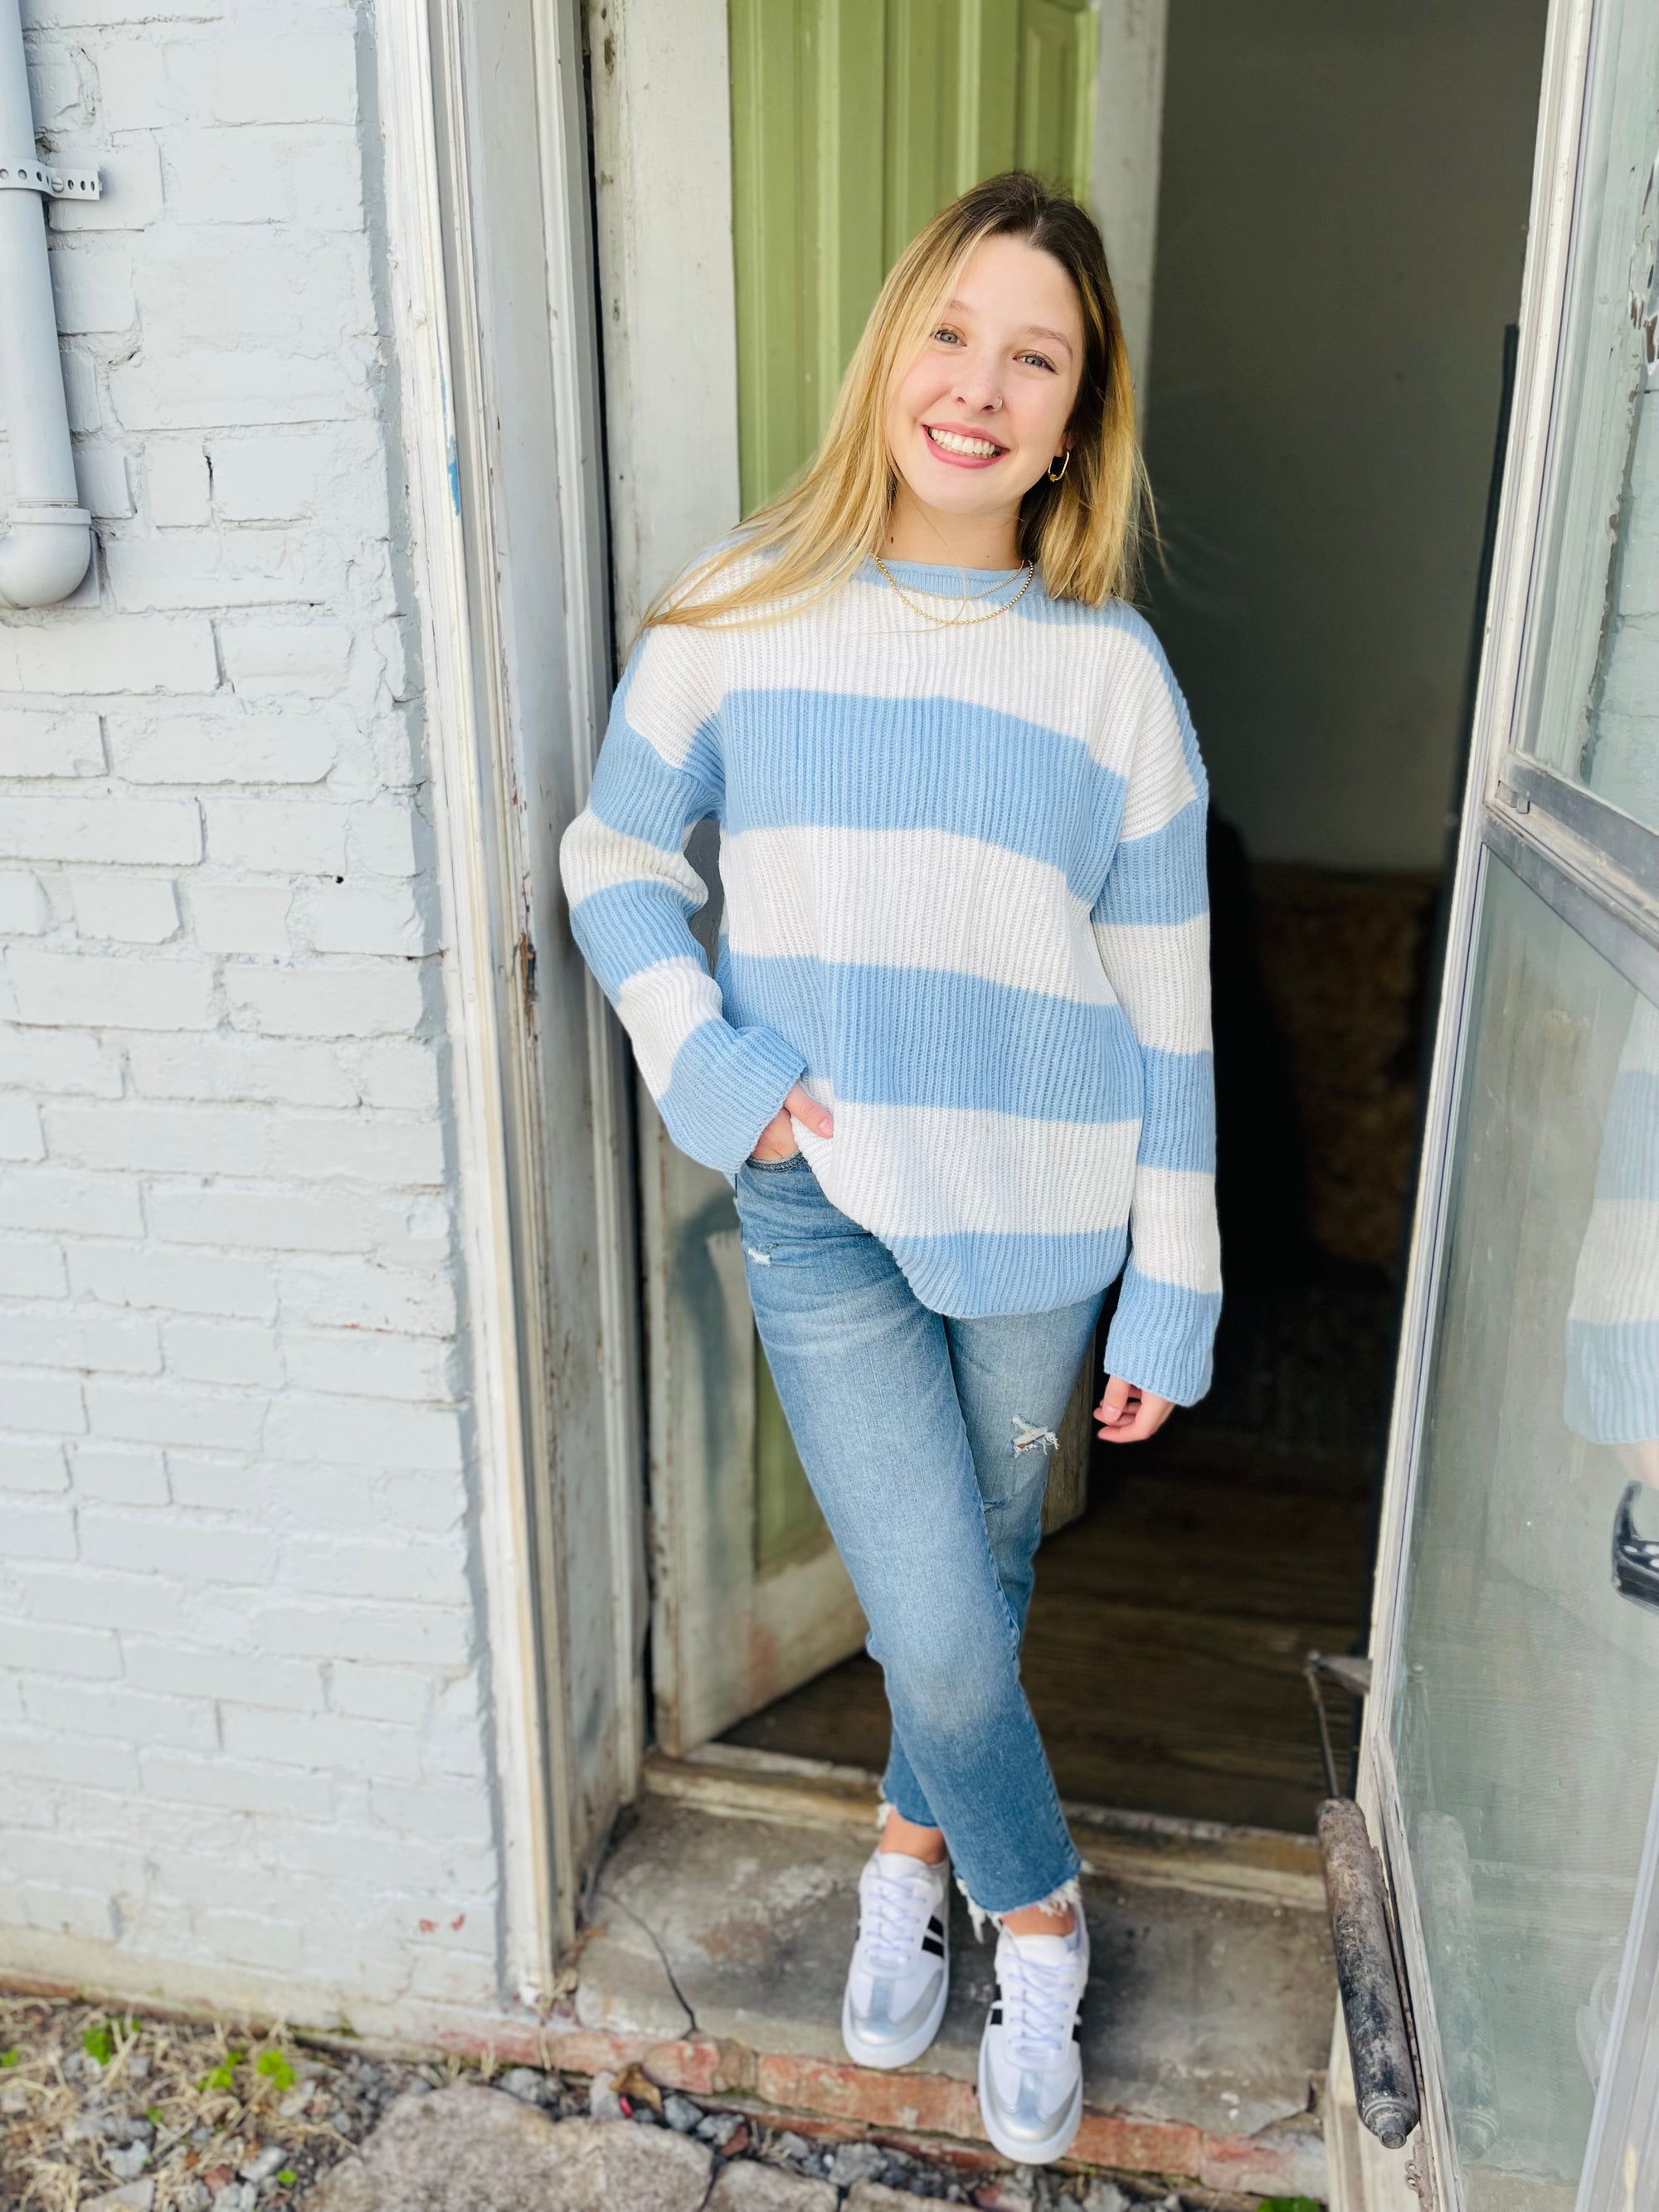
876 2037
1026 2132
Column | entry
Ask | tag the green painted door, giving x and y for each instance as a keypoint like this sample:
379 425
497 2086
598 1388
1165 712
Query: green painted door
852 121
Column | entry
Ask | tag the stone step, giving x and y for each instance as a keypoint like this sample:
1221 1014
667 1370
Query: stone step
719 1936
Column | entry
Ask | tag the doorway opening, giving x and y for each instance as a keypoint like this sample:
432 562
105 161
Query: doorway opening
1341 216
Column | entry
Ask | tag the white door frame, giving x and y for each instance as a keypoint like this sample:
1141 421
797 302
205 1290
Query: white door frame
662 144
491 278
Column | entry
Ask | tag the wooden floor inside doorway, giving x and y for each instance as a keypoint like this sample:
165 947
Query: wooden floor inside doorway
1163 1658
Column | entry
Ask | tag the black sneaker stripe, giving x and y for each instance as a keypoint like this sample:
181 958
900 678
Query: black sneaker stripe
935 1925
933 1943
996 2014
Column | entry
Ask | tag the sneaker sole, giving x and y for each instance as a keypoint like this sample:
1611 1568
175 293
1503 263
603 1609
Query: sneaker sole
887 2056
1053 2145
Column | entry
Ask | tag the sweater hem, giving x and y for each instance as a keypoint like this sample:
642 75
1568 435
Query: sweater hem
972 1276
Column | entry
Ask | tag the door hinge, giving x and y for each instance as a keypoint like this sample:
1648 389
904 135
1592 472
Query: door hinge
1418 2180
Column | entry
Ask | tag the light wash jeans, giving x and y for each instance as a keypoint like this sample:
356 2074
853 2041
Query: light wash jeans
927 1442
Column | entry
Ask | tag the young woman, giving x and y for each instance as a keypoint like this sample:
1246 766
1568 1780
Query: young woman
955 1053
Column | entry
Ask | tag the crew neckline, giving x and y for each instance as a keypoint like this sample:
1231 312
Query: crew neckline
918 572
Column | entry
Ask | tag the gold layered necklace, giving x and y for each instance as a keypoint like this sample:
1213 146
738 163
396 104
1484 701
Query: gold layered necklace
958 621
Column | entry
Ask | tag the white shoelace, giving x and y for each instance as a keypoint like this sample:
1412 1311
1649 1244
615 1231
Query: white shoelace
893 1911
1039 1996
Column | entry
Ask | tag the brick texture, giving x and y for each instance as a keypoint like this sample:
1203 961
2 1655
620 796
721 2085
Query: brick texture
243 1734
923 2111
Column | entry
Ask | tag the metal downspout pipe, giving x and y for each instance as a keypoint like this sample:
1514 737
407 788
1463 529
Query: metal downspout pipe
47 540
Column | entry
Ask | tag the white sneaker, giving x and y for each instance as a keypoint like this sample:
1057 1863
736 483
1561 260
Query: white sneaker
900 1975
1030 2057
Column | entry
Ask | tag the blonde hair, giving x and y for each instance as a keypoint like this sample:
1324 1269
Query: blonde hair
1083 534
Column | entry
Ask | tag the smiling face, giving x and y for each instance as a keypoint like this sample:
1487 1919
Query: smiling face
983 409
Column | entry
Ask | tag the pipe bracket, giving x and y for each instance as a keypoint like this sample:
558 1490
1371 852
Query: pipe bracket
32 175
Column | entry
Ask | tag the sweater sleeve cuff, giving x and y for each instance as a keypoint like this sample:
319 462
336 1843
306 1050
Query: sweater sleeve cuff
727 1084
1162 1335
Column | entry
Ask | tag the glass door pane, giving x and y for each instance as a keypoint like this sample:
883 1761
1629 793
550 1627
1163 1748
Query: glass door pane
1525 1711
1622 2166
1593 647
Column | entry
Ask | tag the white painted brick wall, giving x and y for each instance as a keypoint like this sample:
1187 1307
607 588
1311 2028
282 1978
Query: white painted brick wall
243 1735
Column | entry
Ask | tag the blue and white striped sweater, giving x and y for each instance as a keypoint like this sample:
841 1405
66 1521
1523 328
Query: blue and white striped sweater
1612 1324
965 906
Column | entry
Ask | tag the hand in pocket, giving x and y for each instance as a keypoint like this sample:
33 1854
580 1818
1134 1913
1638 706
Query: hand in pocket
776 1141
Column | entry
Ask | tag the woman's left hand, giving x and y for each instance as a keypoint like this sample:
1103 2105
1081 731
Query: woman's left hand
1128 1414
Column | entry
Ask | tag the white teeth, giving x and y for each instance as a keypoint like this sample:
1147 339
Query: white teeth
953 442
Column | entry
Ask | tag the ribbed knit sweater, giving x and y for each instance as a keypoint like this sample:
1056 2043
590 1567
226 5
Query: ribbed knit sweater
964 906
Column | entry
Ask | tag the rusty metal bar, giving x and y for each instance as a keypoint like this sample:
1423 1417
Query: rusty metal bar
1385 2084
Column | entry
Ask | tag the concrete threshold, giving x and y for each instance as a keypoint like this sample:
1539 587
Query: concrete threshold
717 1942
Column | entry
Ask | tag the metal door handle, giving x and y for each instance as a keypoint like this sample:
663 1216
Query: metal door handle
1635 1557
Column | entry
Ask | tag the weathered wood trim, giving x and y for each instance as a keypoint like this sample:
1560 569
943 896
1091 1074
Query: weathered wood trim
493 318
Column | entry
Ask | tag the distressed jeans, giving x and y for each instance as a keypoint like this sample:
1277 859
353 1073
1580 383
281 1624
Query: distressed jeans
927 1441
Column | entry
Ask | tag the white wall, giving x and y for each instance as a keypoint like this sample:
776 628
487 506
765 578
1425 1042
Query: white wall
241 1696
1342 217
1127 155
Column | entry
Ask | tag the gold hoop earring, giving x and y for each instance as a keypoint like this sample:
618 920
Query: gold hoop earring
1055 474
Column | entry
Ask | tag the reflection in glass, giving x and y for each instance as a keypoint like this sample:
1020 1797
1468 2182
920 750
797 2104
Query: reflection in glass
1594 641
1619 756
1612 1323
1526 1723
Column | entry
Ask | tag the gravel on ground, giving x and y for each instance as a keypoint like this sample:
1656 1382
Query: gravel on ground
164 2115
107 2110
